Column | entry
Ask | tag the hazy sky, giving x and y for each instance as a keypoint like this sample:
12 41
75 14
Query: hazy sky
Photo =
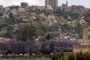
85 3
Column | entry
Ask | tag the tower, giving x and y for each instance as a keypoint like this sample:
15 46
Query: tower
51 3
67 2
65 6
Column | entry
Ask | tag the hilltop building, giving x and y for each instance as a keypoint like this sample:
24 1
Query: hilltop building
51 3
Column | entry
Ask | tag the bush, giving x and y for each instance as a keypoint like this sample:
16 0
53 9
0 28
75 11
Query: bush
80 56
57 56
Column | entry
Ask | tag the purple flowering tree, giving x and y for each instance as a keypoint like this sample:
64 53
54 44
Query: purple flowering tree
17 46
48 47
30 47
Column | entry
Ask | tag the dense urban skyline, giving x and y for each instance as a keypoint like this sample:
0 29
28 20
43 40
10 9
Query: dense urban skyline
41 2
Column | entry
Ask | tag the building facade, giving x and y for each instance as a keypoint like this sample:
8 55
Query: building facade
84 45
51 3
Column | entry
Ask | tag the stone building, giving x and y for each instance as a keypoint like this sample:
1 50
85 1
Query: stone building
52 3
84 45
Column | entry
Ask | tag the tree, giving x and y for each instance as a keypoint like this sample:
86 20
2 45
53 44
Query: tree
30 47
5 48
24 4
17 47
26 31
48 47
58 56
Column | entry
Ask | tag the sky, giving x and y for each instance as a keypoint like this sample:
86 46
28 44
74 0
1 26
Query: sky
85 3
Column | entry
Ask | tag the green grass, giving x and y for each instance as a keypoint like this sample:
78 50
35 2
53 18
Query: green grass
43 58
